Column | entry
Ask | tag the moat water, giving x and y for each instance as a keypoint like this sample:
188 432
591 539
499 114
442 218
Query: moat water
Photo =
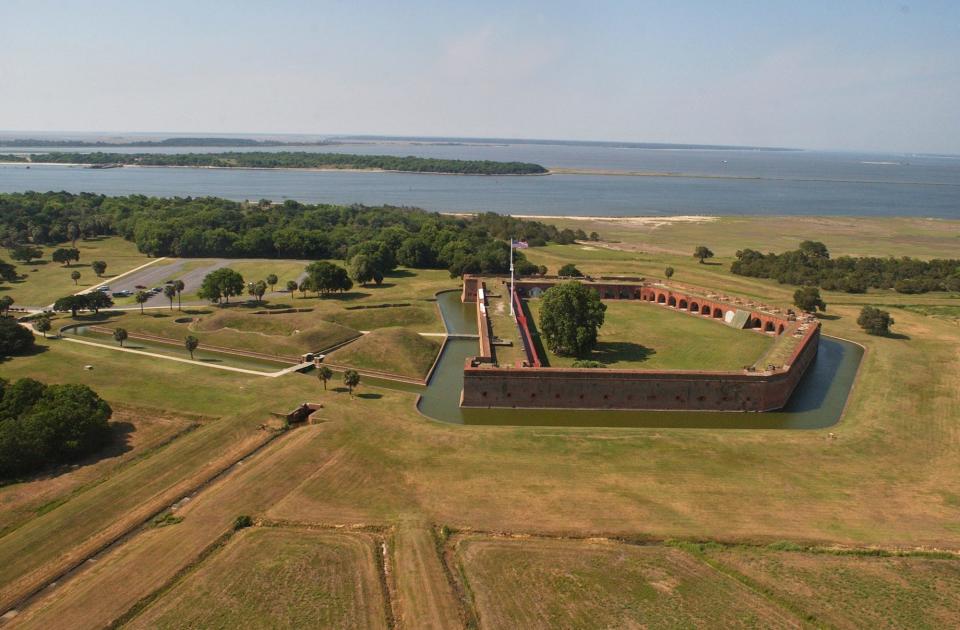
817 402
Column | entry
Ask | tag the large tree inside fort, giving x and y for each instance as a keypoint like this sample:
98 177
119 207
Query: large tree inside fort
570 317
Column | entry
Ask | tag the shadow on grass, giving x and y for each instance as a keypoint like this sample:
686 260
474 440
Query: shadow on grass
382 285
400 273
340 390
32 352
370 396
609 352
826 317
893 335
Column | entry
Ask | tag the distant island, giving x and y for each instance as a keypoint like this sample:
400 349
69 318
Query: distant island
185 141
286 159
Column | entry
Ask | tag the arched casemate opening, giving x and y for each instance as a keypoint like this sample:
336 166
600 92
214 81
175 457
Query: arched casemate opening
780 329
694 307
768 327
661 299
683 304
672 302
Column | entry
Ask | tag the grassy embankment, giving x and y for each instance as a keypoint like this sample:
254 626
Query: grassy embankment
392 350
43 281
641 335
886 478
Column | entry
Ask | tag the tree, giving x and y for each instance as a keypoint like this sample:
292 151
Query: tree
26 253
120 335
14 338
272 280
8 272
808 299
257 289
64 255
327 277
191 343
874 321
815 249
361 269
351 378
179 286
324 374
668 272
72 303
141 298
75 276
594 236
570 316
570 270
99 267
43 325
6 302
292 286
702 252
72 233
97 300
41 425
170 292
223 283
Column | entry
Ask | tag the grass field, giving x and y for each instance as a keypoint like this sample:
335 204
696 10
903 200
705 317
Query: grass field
884 476
394 350
854 591
641 335
269 578
578 584
44 280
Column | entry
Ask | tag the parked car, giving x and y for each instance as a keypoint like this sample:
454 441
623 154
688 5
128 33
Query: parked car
119 294
104 289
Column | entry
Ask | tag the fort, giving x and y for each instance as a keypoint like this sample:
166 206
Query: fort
765 386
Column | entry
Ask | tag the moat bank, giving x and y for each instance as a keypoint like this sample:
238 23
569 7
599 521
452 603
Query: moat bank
817 402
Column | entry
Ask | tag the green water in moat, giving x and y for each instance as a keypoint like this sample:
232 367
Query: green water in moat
817 402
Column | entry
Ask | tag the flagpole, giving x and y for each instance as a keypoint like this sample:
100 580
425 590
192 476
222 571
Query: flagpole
512 314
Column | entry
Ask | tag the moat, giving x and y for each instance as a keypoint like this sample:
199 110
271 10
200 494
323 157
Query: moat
817 402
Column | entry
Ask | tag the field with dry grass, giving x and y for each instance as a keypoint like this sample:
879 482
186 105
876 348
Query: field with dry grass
516 583
271 577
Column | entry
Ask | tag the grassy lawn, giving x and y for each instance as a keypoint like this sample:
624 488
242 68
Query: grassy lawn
45 280
394 350
577 584
269 578
641 335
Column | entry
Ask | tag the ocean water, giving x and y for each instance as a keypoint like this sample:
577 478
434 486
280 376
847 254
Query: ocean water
709 182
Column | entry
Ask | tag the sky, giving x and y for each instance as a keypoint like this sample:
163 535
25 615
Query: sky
851 75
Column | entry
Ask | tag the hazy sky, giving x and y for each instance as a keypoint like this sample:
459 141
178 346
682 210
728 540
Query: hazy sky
835 74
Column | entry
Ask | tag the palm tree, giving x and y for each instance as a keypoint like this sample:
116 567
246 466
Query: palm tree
170 291
141 297
75 276
191 343
120 334
324 374
351 378
272 280
179 286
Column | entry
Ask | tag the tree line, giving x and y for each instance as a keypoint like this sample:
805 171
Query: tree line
214 227
41 425
291 159
812 265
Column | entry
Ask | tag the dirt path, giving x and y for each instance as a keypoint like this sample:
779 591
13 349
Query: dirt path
426 598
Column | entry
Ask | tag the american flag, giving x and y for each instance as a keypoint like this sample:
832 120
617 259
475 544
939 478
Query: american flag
519 244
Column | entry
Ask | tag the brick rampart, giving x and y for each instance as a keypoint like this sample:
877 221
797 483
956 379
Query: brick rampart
570 388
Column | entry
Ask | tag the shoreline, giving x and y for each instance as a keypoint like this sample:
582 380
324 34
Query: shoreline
550 171
315 169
